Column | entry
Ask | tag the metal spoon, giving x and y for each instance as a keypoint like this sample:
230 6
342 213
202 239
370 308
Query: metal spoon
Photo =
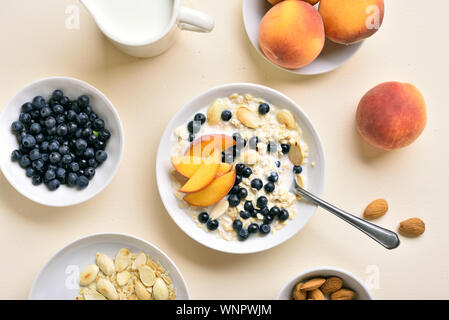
385 237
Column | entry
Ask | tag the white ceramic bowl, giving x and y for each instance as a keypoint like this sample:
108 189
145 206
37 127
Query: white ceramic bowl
332 56
64 196
58 279
350 281
314 176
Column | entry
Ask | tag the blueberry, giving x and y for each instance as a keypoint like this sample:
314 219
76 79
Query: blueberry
45 112
233 200
234 190
62 130
101 156
54 184
273 177
238 180
264 108
82 118
30 172
36 180
35 154
78 133
272 147
248 206
16 155
98 124
278 164
92 139
51 131
66 159
265 229
35 115
236 136
83 101
75 107
199 117
297 169
60 173
104 135
253 141
285 148
58 109
89 153
269 187
86 132
247 172
17 126
81 144
203 217
65 101
244 215
82 182
50 174
235 152
262 201
29 141
54 157
283 215
50 122
254 213
92 163
237 225
71 178
240 143
268 218
227 157
256 184
64 150
83 164
40 138
226 115
27 107
38 165
243 234
89 173
253 228
57 95
212 225
74 167
242 193
239 167
38 102
275 211
25 118
194 126
44 157
53 146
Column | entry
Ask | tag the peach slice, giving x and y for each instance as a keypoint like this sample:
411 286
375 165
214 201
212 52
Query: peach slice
204 175
204 146
223 169
213 193
187 166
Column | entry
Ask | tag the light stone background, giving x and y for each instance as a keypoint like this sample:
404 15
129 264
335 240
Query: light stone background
411 46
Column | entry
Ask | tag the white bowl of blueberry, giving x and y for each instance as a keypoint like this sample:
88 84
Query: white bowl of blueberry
62 141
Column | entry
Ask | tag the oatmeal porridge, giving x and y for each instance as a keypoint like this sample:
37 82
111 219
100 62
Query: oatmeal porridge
234 167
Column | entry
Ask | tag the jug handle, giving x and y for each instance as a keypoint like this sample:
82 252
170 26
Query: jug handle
193 20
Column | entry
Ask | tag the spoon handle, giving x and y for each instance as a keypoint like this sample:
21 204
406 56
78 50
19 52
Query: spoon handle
385 237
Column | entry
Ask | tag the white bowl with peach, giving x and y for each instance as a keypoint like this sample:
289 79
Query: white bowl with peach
247 146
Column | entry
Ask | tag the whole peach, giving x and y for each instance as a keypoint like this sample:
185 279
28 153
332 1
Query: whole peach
391 115
350 21
291 34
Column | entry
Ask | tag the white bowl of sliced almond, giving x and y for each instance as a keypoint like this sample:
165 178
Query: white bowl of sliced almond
324 283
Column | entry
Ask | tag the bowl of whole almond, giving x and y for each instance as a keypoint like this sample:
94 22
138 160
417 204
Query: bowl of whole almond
324 283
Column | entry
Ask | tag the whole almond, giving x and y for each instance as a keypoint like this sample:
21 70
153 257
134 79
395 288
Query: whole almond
247 117
286 118
376 209
331 285
316 295
296 155
412 227
313 284
343 294
214 112
298 293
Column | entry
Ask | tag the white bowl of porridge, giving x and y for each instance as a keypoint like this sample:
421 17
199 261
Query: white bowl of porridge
226 164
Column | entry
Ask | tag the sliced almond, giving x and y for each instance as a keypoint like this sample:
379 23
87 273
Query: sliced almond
142 292
91 294
343 294
376 209
160 290
219 209
105 263
313 284
412 227
285 117
247 117
298 293
331 285
250 157
300 180
316 295
147 275
122 259
106 288
141 260
214 112
123 278
296 155
88 275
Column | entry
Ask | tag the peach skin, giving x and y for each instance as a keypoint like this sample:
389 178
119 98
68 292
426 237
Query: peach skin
350 21
291 34
391 115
